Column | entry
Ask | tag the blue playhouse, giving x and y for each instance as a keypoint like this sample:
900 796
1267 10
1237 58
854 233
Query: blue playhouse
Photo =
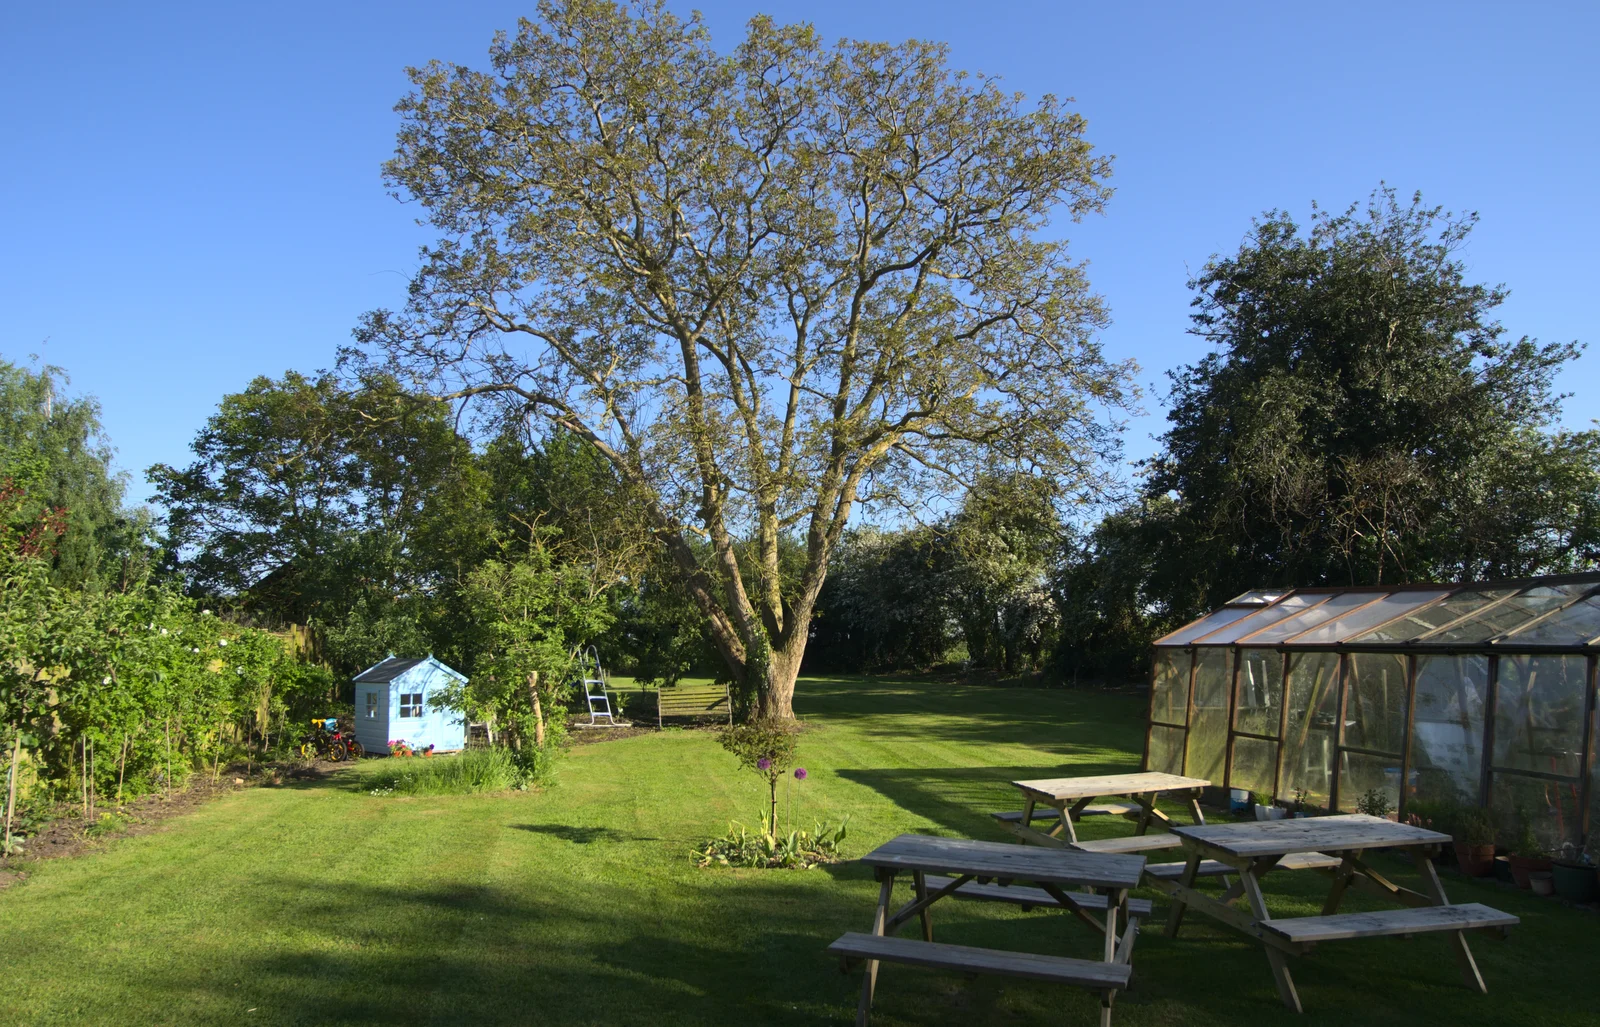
393 703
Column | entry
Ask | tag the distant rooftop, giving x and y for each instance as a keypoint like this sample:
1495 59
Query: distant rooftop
1537 613
386 671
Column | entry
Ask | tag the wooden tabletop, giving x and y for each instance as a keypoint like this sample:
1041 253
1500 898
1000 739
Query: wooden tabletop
1007 860
1060 788
1309 834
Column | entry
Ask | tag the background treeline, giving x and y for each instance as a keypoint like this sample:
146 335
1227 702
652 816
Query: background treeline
1360 418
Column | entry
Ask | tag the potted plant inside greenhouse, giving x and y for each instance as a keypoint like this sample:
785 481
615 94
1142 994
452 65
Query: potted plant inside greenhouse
1375 803
1527 856
1474 844
1265 809
1574 876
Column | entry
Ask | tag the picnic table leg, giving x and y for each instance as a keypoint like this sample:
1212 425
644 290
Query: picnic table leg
1458 939
1342 877
1068 822
870 982
1191 870
1147 804
1276 959
921 885
1194 808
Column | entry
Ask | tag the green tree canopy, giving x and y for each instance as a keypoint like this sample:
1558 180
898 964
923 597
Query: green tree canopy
1363 419
53 449
766 285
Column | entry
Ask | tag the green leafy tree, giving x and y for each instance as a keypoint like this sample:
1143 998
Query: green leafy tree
1364 419
52 447
532 617
765 285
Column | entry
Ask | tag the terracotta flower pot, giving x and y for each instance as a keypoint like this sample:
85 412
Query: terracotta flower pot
1475 860
1522 866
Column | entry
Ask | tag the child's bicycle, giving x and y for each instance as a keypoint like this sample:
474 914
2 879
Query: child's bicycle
328 741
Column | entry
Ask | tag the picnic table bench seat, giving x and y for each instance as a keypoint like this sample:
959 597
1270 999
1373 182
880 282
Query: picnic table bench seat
1131 843
1096 809
683 700
1028 898
1308 930
1214 868
1085 973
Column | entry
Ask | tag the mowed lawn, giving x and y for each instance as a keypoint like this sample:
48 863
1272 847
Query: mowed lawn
322 904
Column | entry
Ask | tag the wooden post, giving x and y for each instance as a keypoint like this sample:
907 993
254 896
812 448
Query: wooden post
1233 706
11 785
538 711
1283 724
1491 700
1405 743
1586 754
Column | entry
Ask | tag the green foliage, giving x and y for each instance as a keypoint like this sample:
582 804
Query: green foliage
756 316
1374 803
491 769
53 450
1362 419
797 850
1473 826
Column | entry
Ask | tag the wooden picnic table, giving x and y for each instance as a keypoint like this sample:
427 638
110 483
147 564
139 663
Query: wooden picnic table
1011 869
1070 798
1253 850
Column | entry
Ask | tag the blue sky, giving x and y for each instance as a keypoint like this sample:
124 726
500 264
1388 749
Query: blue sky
192 193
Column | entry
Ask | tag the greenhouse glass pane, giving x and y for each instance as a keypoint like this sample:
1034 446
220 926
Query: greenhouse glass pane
1258 620
1208 726
1355 622
1260 692
1309 745
1360 774
1509 615
1575 625
1257 597
1166 749
1548 808
1431 618
1253 764
1205 625
1311 618
1447 731
1594 794
1538 713
1375 702
1170 689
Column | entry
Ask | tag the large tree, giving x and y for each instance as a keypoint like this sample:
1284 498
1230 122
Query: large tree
766 285
1363 418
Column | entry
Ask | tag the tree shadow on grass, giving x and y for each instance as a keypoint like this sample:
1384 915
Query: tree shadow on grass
723 949
960 800
579 835
1062 721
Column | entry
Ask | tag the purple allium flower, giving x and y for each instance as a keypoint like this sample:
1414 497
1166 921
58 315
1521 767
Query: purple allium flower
763 764
799 773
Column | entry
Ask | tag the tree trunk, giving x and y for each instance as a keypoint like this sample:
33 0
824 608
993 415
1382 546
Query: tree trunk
538 711
11 785
775 686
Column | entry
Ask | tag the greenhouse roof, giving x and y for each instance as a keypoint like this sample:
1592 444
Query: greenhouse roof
1554 612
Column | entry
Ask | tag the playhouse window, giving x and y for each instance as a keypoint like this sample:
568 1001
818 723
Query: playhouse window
372 705
410 704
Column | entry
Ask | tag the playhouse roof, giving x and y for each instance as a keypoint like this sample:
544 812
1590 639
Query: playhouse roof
1538 613
395 666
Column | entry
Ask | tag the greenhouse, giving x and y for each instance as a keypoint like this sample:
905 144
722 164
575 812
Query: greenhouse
1476 694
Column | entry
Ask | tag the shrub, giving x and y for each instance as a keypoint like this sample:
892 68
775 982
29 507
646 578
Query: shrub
766 747
1473 827
1374 804
475 770
797 850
